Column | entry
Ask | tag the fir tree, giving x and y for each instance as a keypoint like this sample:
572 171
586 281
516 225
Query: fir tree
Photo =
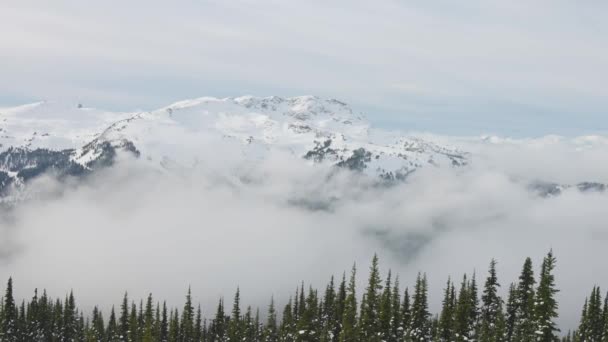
186 330
511 313
113 332
406 314
370 306
164 325
546 305
9 319
198 325
492 319
234 325
446 330
420 329
397 327
386 310
525 326
349 318
123 325
218 326
270 333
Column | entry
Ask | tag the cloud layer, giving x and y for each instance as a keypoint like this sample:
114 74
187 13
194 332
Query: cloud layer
265 227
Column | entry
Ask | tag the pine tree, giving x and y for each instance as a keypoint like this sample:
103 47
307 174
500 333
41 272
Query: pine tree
420 329
234 325
349 331
397 327
328 312
148 332
186 330
463 309
593 325
164 325
525 326
446 329
69 319
370 306
123 325
218 326
339 309
198 324
249 328
406 314
9 326
583 332
492 318
511 313
546 305
270 333
288 323
386 310
113 332
174 327
133 334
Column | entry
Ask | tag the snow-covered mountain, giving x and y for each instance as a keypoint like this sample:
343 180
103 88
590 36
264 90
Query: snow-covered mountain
74 140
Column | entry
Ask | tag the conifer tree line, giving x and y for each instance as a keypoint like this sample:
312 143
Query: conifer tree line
382 312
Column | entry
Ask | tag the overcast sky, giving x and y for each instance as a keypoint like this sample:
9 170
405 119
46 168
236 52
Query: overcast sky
520 68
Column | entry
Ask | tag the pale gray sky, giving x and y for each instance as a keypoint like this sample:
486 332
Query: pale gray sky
467 67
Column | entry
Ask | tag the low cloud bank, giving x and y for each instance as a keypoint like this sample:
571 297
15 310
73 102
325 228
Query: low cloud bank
267 226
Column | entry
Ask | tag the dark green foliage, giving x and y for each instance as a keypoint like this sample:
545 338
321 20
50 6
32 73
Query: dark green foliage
370 327
524 324
420 327
384 315
492 322
349 331
546 304
446 324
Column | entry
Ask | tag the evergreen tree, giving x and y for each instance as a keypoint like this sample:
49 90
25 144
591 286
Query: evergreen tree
234 325
492 319
148 332
133 334
525 326
123 325
271 331
397 327
198 325
420 329
164 325
288 324
186 330
249 328
386 311
113 331
583 332
370 306
174 327
463 309
218 326
9 318
406 314
69 319
546 305
446 329
511 313
349 331
328 312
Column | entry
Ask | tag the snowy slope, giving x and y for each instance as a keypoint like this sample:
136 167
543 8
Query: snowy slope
70 140
317 129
